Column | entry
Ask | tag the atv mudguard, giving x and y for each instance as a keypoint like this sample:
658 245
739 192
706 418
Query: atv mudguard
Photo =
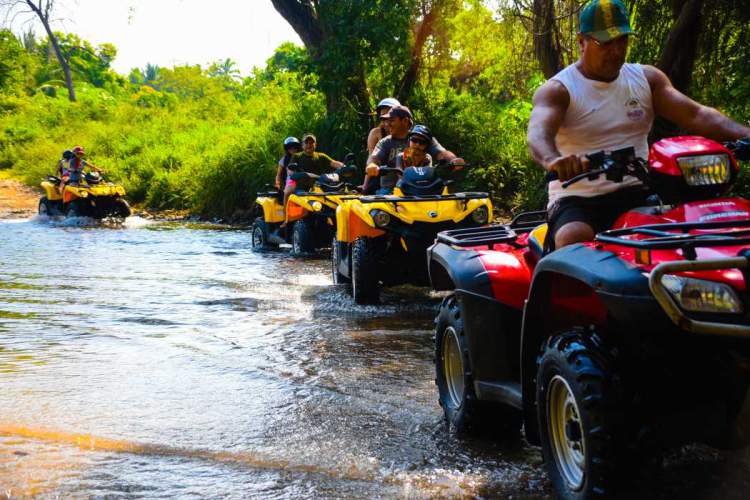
273 211
50 190
580 285
350 224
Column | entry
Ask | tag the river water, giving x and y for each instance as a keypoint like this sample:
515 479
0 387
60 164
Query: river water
164 359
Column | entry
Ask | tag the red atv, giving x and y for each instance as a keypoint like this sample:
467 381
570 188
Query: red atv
604 351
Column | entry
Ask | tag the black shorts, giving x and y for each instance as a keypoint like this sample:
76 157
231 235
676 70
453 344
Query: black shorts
599 212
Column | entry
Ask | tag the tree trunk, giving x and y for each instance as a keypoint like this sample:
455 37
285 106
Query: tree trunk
42 11
678 57
424 29
546 46
303 18
679 54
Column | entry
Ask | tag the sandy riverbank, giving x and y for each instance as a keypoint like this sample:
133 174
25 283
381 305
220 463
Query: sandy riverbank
17 201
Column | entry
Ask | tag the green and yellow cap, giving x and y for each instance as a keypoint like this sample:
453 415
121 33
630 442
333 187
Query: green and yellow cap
605 20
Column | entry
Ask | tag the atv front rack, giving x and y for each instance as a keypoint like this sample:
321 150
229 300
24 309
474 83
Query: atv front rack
494 234
677 236
429 197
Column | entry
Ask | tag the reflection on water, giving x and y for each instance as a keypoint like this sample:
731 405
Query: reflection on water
153 359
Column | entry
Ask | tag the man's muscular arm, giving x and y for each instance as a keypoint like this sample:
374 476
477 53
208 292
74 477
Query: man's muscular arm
694 117
550 103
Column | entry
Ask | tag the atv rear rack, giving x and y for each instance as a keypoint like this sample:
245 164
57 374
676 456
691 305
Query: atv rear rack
494 234
677 236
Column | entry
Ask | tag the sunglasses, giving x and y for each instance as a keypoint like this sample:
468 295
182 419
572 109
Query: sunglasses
419 141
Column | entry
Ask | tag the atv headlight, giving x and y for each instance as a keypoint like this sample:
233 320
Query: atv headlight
316 205
380 218
705 170
480 215
702 296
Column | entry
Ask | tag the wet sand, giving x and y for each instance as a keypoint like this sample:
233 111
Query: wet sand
17 201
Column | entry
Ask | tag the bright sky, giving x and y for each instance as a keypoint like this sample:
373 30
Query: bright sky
170 32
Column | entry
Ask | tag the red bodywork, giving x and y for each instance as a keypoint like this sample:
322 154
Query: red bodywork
511 267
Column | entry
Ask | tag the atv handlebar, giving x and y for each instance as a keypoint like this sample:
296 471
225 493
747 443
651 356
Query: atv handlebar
739 148
615 166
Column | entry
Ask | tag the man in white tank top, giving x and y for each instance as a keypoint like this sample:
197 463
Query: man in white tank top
601 103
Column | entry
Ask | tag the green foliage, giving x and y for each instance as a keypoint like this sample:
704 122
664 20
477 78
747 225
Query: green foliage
206 139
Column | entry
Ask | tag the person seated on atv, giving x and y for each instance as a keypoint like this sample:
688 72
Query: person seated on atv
75 168
415 155
291 147
61 170
400 121
310 161
601 103
383 128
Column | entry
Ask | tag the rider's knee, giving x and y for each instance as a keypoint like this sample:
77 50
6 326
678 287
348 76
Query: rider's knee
573 232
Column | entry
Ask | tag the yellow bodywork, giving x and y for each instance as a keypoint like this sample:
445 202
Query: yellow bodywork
273 211
300 204
354 219
81 191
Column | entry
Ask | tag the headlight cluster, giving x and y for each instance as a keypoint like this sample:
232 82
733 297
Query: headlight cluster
381 219
481 215
705 170
703 296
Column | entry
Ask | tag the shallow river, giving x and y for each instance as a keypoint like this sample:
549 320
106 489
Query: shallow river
158 359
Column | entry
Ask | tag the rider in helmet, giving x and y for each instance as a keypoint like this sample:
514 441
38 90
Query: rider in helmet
386 151
383 128
291 146
415 155
62 168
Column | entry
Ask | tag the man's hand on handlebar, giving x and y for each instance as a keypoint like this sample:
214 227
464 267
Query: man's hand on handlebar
372 170
567 167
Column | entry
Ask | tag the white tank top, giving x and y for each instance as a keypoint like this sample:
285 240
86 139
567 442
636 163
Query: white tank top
603 116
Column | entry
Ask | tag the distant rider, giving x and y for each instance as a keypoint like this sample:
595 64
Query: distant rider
61 170
75 168
400 120
309 161
291 147
600 103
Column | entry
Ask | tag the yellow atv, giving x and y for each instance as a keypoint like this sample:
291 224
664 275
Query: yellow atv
383 239
92 197
310 212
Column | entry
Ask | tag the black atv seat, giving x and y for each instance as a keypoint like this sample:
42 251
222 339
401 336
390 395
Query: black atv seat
420 181
279 195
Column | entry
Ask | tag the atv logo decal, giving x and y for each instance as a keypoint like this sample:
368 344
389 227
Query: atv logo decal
723 215
634 110
432 214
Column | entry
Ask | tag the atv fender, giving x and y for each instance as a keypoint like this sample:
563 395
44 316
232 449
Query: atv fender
50 191
350 226
273 211
578 286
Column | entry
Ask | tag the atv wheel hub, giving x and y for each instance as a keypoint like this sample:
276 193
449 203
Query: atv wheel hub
453 367
566 433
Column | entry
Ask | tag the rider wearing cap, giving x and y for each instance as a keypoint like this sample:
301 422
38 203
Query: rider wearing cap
415 155
309 161
75 167
291 147
400 120
601 103
383 129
